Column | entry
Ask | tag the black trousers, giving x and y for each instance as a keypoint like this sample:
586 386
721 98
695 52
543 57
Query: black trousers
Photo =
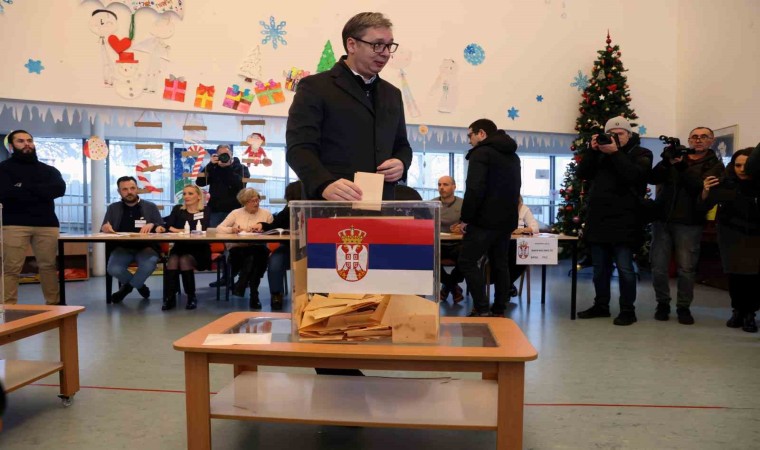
477 243
745 298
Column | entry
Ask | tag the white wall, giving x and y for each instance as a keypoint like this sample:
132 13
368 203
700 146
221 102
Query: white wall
530 49
719 67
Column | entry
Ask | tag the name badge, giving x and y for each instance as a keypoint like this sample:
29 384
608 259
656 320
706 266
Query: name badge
140 223
198 216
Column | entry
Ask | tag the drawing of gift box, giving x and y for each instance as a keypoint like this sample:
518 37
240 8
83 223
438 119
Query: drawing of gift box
269 93
233 96
245 101
174 88
293 77
204 96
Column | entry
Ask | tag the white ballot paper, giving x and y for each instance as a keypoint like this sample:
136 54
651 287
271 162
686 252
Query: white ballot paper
238 339
371 185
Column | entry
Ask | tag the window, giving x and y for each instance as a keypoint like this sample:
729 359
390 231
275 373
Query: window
151 168
67 156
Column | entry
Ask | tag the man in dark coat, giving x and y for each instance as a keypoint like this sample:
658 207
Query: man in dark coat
348 120
678 227
224 176
489 213
613 229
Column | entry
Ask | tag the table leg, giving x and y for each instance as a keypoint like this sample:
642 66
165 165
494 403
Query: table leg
197 401
574 282
543 284
61 274
238 369
69 348
509 420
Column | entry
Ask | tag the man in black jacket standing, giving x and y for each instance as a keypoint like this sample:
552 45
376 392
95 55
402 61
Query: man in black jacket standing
489 213
618 172
680 221
224 176
28 189
348 120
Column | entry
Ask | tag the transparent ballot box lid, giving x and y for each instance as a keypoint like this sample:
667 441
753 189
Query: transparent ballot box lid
365 272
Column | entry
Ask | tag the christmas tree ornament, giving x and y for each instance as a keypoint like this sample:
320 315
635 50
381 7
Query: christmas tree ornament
576 219
569 208
570 189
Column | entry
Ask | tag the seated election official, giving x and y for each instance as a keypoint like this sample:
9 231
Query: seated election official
132 214
186 257
250 260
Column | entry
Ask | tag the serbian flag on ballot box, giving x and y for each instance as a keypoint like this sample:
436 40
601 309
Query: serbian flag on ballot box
356 255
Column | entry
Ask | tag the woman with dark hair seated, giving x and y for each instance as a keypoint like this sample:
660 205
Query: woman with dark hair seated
250 260
738 217
279 260
186 257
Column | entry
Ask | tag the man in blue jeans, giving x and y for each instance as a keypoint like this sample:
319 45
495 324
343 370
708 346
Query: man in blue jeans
618 172
678 227
132 214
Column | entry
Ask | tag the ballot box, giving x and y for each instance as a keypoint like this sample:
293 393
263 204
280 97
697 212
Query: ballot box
365 272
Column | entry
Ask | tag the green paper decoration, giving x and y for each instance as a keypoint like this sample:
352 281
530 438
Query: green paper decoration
327 60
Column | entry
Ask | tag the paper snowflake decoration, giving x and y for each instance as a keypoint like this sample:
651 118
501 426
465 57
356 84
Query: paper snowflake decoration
513 113
474 54
9 2
642 130
34 66
273 32
580 81
539 98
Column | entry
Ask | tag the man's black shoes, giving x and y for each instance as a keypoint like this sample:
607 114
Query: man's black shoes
625 318
594 312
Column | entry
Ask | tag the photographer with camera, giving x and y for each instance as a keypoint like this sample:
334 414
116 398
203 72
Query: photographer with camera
617 168
224 177
677 227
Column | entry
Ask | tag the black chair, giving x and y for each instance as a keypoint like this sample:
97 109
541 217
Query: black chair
403 192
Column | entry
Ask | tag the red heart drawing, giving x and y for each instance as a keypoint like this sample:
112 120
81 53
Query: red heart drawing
119 45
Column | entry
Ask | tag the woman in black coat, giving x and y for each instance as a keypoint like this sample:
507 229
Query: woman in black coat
186 257
738 217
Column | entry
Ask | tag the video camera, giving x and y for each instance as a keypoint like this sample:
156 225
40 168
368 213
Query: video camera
607 139
674 149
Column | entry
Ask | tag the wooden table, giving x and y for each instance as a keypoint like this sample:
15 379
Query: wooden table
209 237
22 321
563 240
495 347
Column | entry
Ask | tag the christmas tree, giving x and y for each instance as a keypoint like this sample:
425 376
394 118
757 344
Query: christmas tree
327 60
250 68
605 95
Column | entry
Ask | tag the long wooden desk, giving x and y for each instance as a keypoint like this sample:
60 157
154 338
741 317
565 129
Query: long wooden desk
495 347
22 321
563 240
154 237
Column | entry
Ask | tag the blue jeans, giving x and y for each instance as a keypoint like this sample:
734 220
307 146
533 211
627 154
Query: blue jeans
121 258
603 255
279 261
686 240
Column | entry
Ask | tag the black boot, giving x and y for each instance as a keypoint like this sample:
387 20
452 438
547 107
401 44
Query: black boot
245 275
276 302
188 283
171 284
749 325
736 320
254 302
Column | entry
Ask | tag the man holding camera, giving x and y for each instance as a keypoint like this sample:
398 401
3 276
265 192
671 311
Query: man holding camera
617 168
224 177
678 226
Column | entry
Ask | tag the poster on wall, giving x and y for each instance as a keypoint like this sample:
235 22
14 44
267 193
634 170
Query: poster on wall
725 142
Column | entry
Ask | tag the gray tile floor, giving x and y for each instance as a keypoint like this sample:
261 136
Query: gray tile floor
653 385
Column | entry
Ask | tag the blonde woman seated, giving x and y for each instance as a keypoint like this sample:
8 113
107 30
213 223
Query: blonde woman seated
186 257
250 260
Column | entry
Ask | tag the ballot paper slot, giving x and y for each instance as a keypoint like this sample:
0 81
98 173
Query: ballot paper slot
365 274
379 401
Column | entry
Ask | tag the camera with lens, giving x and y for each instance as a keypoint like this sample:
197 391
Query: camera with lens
224 158
674 149
607 139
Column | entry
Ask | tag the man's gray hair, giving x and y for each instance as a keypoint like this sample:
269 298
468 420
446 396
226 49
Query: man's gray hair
357 25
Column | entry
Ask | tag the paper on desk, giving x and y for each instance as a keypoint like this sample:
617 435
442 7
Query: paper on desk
238 339
371 185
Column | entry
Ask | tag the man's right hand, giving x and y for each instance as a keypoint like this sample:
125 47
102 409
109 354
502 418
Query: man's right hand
342 190
214 159
107 228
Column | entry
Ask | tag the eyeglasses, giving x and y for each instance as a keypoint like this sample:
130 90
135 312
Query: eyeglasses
379 47
470 135
254 200
699 137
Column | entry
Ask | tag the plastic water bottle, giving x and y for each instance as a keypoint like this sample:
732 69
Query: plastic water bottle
198 227
187 227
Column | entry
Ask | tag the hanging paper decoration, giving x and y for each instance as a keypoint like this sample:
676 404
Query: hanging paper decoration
474 54
119 45
157 50
34 66
423 129
273 32
245 101
7 2
103 24
204 96
237 99
401 61
140 169
174 88
251 67
293 76
269 93
129 81
160 6
95 148
255 151
327 60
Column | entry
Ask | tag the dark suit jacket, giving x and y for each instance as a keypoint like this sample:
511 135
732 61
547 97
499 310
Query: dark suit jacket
334 131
